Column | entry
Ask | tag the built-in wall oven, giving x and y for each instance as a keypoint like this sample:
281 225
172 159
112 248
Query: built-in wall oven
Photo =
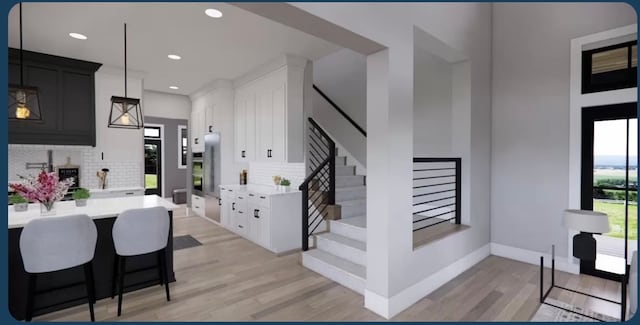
197 173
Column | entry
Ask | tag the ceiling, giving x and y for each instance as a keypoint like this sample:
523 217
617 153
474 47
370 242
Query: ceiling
223 48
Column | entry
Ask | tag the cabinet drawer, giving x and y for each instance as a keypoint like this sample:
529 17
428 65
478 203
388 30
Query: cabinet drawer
259 199
197 205
127 193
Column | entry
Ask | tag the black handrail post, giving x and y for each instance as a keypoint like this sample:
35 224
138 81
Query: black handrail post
332 173
305 218
458 190
541 279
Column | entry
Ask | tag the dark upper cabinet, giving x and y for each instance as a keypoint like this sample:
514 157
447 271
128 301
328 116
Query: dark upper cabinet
67 99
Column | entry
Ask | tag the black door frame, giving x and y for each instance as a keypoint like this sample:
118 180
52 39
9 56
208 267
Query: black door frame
158 189
589 116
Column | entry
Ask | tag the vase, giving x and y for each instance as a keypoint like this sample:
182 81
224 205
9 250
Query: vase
47 208
20 207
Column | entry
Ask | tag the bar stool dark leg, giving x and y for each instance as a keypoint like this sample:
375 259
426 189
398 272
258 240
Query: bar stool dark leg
122 271
91 296
114 277
165 274
160 276
31 291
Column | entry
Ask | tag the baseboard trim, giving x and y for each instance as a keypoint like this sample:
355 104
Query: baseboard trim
533 257
389 307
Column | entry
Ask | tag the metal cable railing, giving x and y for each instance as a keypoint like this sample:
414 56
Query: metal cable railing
436 191
319 188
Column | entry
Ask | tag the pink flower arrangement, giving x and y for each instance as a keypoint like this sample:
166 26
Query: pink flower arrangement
46 188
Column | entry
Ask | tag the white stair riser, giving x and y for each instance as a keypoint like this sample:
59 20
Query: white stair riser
345 170
341 161
354 210
348 193
348 231
329 271
349 181
344 251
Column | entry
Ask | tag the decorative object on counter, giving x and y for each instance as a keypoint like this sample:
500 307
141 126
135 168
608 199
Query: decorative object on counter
243 177
80 195
24 101
19 203
276 180
69 171
128 112
102 178
284 185
46 189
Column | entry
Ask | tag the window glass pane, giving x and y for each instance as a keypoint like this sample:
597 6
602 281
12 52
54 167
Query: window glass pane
634 56
152 132
611 60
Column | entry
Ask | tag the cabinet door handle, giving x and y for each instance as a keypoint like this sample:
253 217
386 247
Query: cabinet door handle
129 193
219 201
240 212
251 195
195 140
243 154
233 206
210 128
262 197
240 226
256 213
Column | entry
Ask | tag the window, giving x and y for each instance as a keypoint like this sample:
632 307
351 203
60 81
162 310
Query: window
609 68
183 142
152 132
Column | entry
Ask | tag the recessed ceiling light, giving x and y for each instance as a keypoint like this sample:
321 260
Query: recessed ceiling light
213 13
174 57
174 87
78 36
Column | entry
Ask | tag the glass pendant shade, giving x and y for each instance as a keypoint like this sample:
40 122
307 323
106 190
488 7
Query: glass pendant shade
24 103
126 113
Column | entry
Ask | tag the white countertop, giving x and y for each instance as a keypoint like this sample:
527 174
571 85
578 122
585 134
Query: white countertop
96 208
259 189
115 189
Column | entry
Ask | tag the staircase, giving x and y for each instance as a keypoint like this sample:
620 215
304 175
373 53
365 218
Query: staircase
340 252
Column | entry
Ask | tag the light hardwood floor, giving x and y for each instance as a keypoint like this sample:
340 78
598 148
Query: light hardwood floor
231 279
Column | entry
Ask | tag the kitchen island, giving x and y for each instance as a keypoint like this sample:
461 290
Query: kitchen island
103 212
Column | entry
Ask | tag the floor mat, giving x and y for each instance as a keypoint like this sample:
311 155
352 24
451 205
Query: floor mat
186 241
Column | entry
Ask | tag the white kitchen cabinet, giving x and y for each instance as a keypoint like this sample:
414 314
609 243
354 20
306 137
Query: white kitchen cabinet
226 198
272 105
198 205
198 116
245 126
264 216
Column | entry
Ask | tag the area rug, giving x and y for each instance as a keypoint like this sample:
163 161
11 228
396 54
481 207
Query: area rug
185 241
547 313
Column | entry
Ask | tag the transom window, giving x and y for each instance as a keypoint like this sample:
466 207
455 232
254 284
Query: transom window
609 68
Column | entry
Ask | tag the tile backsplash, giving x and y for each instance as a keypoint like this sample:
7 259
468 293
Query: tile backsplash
121 173
262 173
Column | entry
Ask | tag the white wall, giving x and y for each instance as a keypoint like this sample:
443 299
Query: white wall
165 105
432 99
530 115
342 76
396 274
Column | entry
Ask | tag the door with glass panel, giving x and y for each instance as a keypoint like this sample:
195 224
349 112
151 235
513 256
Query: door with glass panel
153 161
609 182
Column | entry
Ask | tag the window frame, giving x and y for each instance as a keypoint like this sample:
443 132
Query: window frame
630 81
183 149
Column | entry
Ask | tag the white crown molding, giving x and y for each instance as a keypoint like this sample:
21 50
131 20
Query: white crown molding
287 60
211 86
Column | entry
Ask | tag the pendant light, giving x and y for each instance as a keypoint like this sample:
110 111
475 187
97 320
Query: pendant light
24 102
125 112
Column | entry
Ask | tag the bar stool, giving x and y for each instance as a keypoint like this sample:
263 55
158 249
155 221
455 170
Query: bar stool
55 244
139 232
